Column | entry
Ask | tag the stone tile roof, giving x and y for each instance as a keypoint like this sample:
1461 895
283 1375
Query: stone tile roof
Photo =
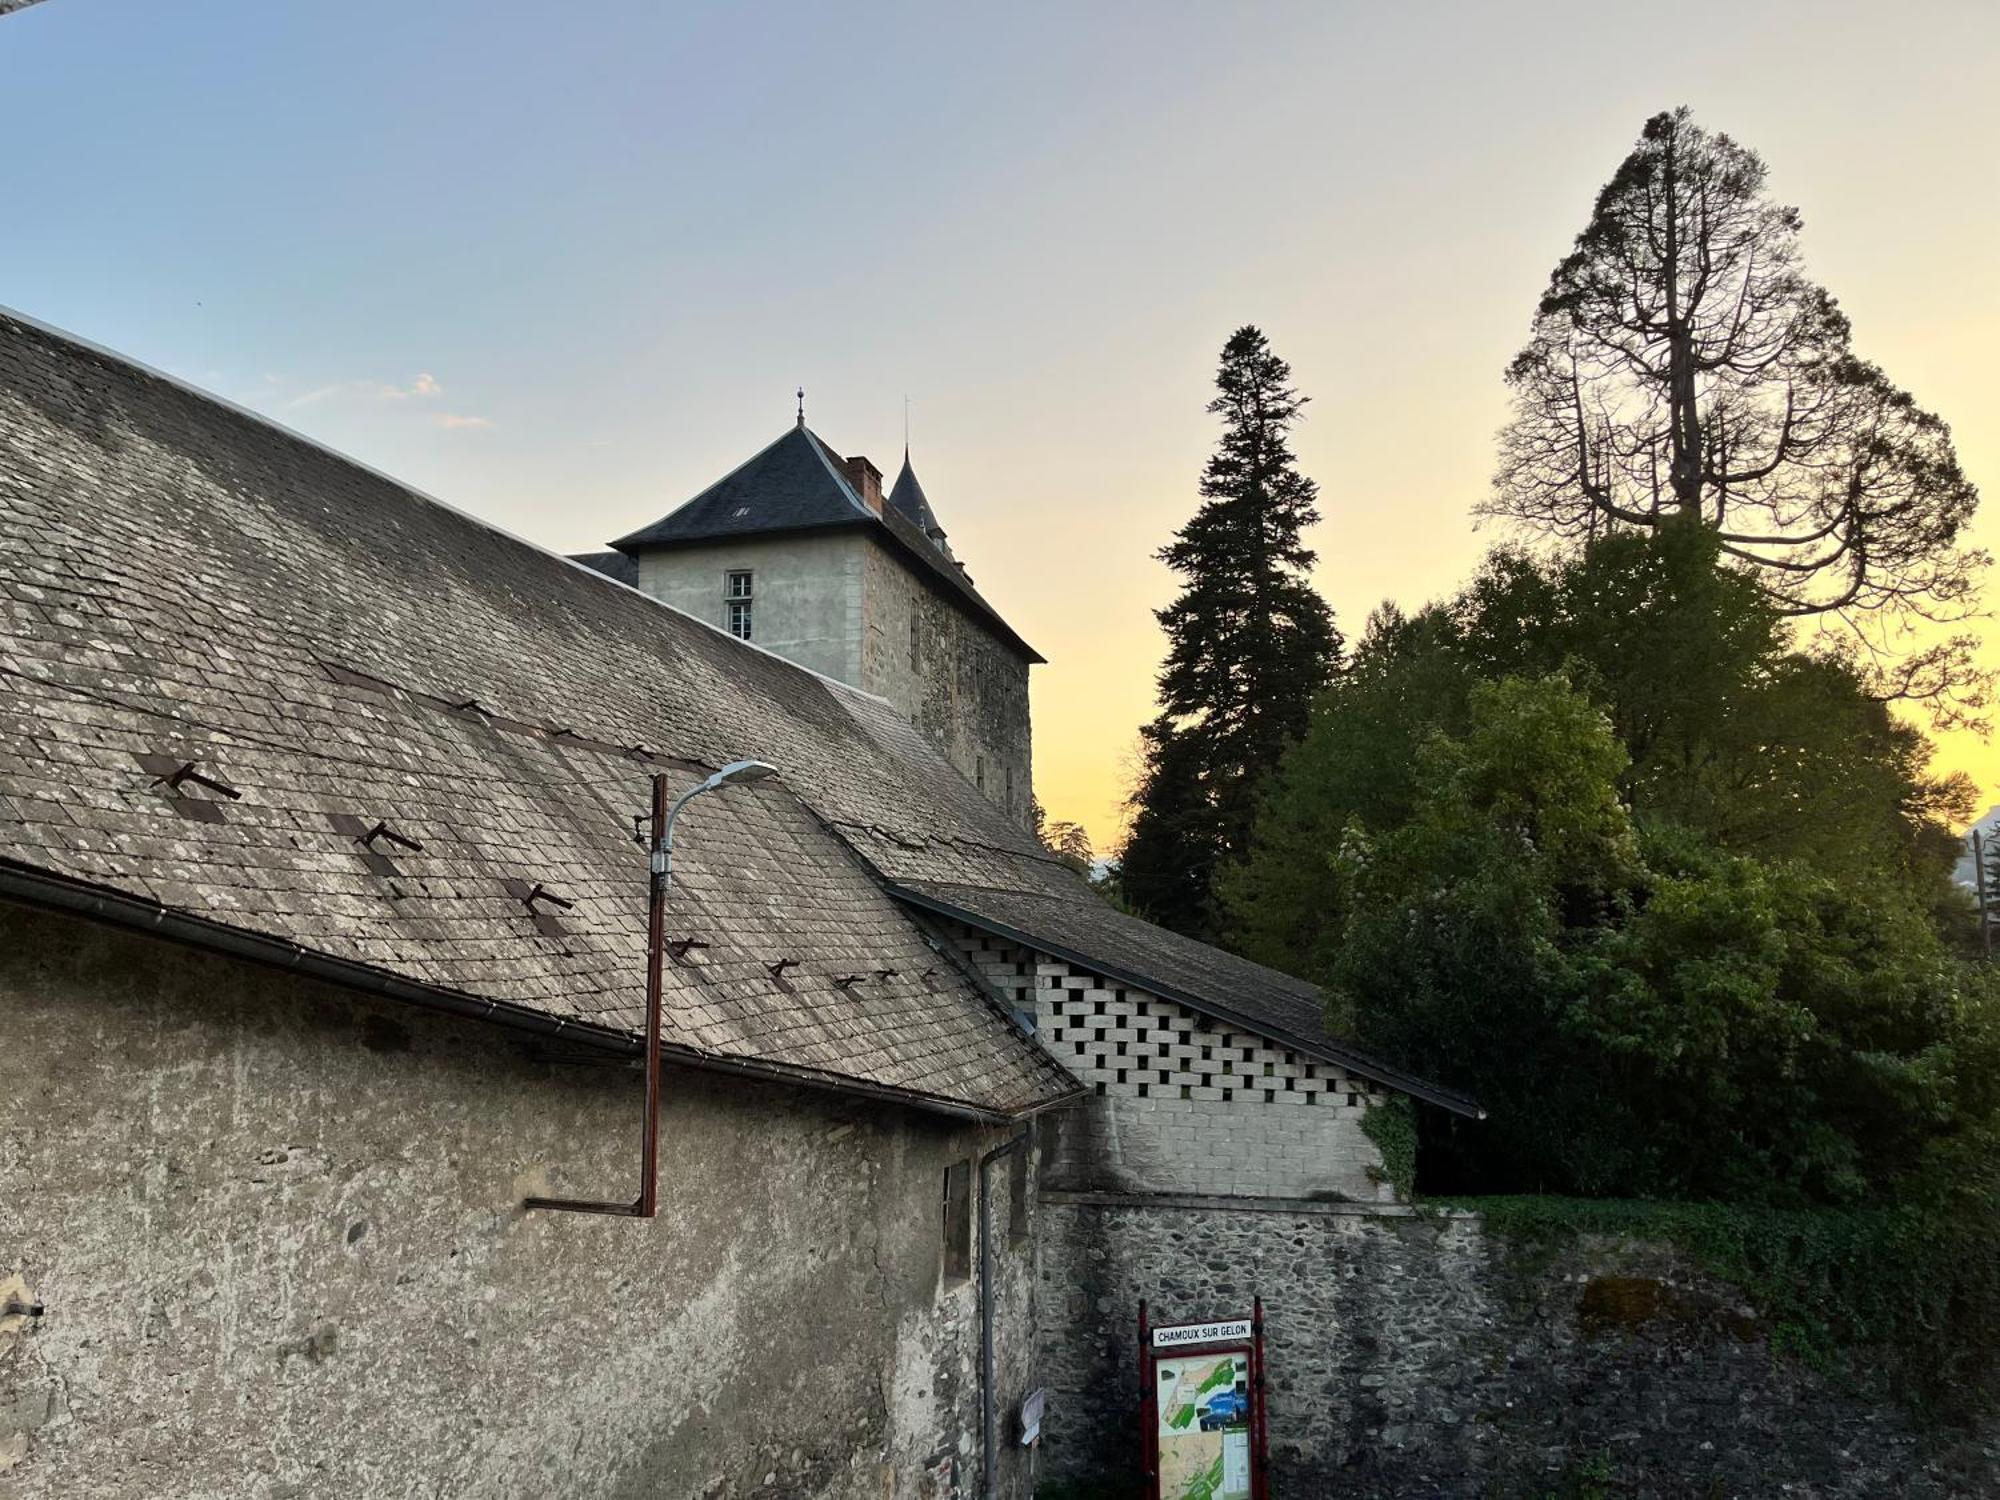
797 484
184 584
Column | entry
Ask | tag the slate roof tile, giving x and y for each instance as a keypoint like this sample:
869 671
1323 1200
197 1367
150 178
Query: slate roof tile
248 562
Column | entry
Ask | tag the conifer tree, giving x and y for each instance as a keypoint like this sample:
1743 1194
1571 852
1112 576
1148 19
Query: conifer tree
1249 645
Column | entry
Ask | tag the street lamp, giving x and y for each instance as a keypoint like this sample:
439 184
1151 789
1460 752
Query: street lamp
661 866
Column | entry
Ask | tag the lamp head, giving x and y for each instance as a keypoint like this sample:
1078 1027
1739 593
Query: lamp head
738 772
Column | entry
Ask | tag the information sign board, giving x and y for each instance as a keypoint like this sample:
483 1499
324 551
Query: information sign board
1203 1401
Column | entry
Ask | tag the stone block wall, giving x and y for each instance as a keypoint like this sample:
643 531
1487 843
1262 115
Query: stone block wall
949 675
1415 1356
1183 1103
805 593
846 606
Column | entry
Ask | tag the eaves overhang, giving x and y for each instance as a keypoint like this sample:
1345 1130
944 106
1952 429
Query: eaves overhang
28 885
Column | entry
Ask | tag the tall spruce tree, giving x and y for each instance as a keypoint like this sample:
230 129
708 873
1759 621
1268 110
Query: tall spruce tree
1249 645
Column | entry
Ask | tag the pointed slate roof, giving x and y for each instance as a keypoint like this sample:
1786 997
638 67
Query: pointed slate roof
794 484
797 484
908 496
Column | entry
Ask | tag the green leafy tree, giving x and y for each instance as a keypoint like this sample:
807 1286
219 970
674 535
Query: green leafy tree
1642 1013
1351 774
1730 732
1682 363
1249 645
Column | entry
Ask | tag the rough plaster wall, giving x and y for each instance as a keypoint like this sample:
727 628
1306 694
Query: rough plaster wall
966 691
277 1233
806 593
1423 1357
1183 1103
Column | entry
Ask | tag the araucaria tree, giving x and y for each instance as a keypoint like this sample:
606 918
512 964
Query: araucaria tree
1681 362
1249 644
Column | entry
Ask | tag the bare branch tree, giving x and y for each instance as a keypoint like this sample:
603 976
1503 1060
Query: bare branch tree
1681 363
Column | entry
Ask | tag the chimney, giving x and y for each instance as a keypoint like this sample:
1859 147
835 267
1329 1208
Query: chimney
867 481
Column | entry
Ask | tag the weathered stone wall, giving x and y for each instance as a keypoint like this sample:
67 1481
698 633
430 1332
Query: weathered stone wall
805 593
1415 1356
1182 1103
842 604
277 1236
962 687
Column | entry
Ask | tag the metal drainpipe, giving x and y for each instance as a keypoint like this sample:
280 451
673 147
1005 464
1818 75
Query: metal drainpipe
988 1417
659 883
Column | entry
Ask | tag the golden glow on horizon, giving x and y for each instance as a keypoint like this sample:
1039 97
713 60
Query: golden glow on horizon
1399 467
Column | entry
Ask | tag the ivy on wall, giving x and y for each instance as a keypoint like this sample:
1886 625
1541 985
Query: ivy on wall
1392 1126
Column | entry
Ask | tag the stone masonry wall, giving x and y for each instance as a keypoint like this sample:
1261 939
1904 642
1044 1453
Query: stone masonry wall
843 605
1415 1356
1183 1103
951 677
805 593
277 1234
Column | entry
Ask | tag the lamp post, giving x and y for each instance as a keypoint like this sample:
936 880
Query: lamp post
660 882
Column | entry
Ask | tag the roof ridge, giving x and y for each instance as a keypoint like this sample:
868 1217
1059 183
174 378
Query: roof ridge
831 460
189 388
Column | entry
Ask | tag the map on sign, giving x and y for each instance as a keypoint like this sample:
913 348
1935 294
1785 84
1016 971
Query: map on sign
1204 1406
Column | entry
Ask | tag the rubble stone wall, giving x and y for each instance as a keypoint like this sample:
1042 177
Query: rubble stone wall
1419 1355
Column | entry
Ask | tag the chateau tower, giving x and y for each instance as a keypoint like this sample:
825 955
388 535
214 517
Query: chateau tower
799 551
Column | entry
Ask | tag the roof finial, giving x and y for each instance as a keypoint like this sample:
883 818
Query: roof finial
802 406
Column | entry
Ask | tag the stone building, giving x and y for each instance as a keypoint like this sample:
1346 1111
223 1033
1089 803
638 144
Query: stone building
800 551
322 942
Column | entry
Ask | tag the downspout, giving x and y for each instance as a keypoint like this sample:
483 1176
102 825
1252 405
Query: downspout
989 1461
659 882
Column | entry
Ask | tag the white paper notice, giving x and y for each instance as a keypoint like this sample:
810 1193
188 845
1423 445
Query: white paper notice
1235 1463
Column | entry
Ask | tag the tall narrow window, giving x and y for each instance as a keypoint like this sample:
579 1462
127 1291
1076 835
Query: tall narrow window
736 603
916 644
1017 1197
957 1225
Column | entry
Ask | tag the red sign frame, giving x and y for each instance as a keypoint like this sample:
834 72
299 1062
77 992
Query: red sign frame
1149 1415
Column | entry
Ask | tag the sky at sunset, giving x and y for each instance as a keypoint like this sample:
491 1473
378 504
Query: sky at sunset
562 265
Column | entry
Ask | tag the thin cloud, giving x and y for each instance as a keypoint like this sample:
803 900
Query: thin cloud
455 419
422 385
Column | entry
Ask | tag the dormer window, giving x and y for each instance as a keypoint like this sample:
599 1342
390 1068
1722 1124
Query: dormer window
736 603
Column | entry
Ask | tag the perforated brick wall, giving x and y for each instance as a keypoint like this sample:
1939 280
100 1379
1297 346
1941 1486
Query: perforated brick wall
1183 1103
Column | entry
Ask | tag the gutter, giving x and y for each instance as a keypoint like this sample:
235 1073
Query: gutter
40 888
